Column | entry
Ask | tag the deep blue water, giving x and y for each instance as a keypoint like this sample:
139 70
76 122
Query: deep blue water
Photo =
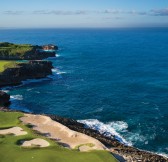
117 76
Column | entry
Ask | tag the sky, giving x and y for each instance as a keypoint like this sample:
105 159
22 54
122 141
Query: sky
83 13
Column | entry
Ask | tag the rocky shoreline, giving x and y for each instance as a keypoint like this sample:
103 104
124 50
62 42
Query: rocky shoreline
40 69
130 154
122 152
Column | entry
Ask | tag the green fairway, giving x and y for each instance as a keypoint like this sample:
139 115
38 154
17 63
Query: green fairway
6 64
11 151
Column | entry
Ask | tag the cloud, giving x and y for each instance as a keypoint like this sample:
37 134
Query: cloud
133 12
10 12
60 12
77 12
117 12
159 12
113 18
111 11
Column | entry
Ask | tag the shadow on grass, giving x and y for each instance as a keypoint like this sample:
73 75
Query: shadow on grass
20 141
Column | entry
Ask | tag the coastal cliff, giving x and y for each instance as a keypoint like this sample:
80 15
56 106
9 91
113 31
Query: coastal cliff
23 71
10 51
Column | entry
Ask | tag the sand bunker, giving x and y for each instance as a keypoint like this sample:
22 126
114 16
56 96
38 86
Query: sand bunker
17 131
61 133
35 142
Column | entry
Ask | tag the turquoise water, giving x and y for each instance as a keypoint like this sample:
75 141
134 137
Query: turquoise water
114 80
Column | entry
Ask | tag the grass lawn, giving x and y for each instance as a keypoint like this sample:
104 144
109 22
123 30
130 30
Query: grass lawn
10 49
5 64
10 151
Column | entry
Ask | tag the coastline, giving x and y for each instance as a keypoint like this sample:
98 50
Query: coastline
127 152
119 150
22 143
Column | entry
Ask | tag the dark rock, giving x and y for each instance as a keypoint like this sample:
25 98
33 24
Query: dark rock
4 99
36 55
30 70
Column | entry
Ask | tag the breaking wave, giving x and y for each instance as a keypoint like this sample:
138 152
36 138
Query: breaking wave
108 129
16 97
57 71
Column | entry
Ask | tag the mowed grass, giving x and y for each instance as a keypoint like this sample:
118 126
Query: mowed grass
6 64
11 151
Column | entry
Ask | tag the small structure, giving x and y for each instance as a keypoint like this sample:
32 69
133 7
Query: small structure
45 49
49 47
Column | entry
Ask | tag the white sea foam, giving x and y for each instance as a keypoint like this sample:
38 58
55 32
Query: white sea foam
98 110
16 97
163 154
61 72
119 126
108 129
136 137
30 89
6 91
57 71
37 92
112 128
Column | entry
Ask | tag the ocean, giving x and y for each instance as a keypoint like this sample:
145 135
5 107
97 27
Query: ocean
113 80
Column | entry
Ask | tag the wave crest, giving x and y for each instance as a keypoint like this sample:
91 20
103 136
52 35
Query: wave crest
16 97
57 71
108 129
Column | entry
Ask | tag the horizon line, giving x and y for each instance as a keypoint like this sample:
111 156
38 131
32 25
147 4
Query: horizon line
133 27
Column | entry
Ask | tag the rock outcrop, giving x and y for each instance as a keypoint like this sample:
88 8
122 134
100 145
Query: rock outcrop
4 99
36 55
130 154
30 70
10 51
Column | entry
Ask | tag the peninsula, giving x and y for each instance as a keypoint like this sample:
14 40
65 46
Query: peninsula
10 51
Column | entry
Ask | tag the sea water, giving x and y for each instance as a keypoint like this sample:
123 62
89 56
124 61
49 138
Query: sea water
113 80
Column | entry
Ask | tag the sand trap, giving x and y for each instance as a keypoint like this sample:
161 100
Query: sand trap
35 142
17 131
61 133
